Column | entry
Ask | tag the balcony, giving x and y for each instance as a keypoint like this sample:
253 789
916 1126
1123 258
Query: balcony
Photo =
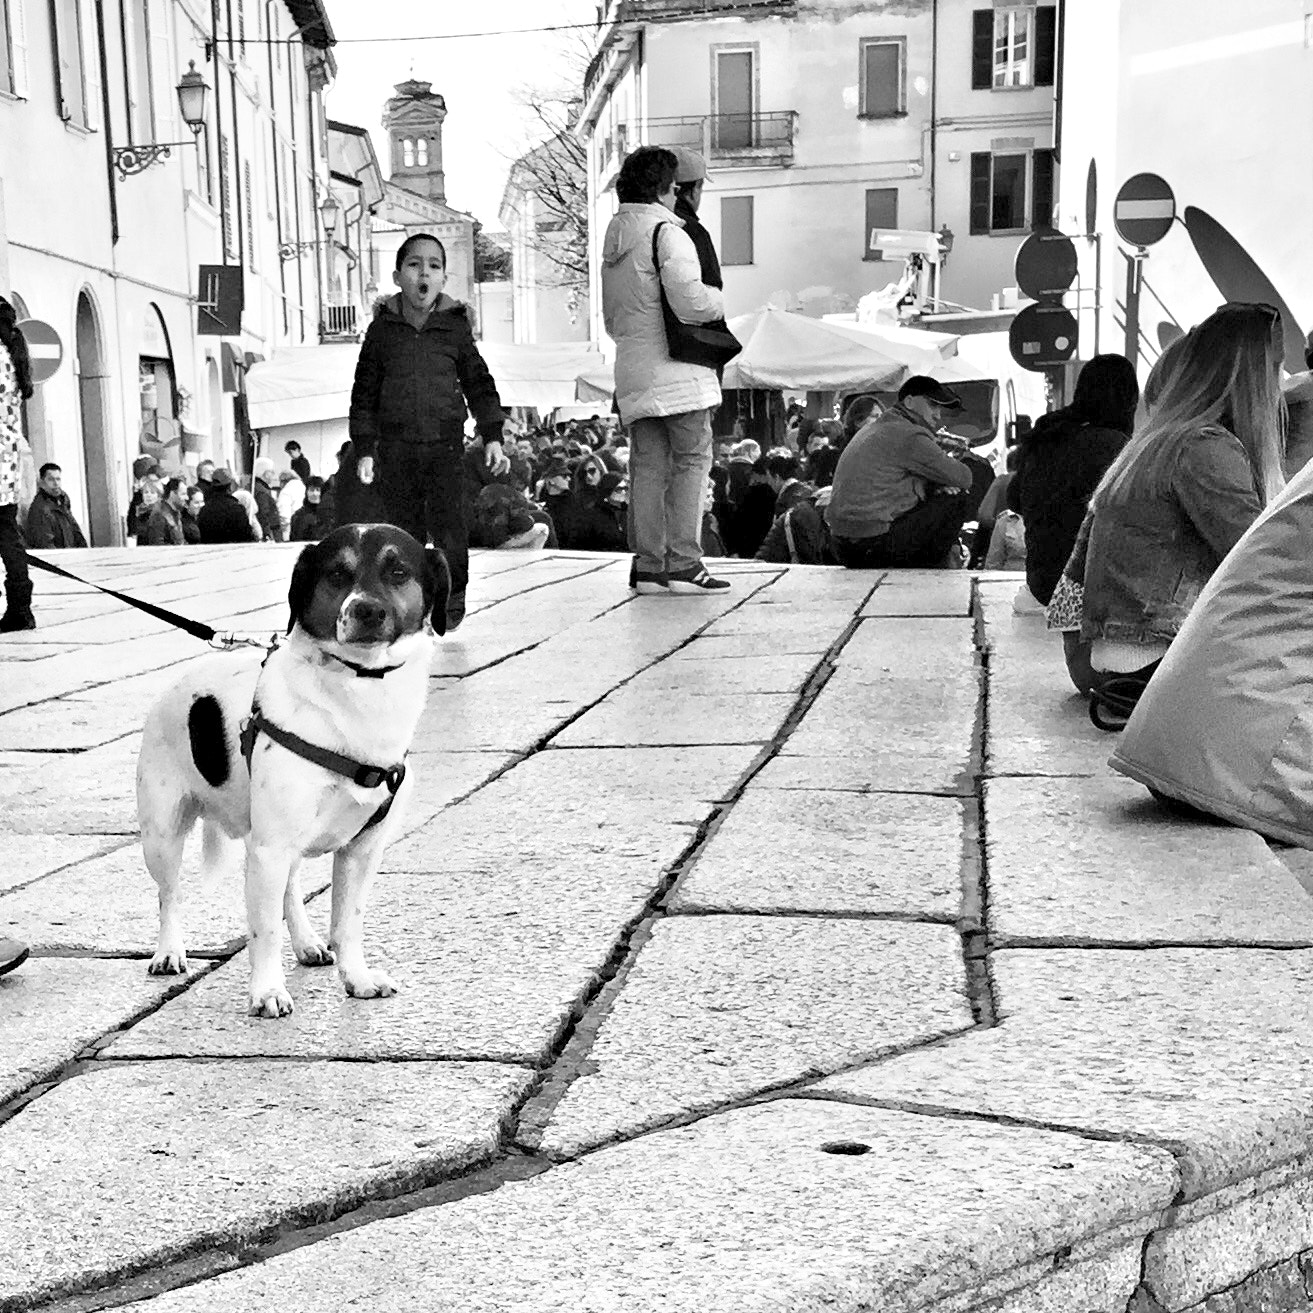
734 141
339 324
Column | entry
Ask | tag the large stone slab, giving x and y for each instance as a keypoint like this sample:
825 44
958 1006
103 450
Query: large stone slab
127 1167
934 592
779 617
488 967
52 1008
697 676
642 718
716 1009
1098 861
75 793
109 904
813 851
747 1211
910 734
28 857
921 648
1208 1050
875 773
1039 724
439 778
733 647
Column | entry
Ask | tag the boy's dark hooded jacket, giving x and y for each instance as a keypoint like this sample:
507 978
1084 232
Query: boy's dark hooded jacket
412 384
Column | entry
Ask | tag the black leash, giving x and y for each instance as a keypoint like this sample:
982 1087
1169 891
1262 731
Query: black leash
196 628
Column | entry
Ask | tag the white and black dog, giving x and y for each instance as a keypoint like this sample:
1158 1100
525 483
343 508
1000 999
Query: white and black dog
301 754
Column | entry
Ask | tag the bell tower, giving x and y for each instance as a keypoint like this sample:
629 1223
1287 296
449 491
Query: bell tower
413 119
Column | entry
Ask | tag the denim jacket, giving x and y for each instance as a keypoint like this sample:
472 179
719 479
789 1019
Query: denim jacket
1144 562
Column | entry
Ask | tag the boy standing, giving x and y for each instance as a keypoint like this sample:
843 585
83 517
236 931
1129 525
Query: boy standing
418 370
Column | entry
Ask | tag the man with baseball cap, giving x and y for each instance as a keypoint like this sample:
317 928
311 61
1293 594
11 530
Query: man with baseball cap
892 502
690 178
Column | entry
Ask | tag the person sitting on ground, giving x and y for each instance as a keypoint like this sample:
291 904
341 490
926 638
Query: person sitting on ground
50 519
191 508
857 414
163 527
1180 494
893 501
1060 461
712 542
599 525
266 500
310 520
557 500
819 455
992 506
296 458
223 519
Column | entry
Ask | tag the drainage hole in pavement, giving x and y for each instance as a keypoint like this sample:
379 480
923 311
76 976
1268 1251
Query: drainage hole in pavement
853 1148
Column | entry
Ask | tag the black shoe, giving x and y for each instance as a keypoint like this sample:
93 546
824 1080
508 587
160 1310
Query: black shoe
648 584
455 611
18 613
12 954
697 581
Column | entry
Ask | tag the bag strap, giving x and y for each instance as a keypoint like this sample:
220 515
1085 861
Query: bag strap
656 259
788 536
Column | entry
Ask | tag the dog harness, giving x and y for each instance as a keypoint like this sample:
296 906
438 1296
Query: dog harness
366 776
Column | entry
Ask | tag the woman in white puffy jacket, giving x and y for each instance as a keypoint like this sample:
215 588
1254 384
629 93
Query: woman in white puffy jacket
665 403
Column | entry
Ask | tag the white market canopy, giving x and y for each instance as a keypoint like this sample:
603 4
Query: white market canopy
308 384
782 350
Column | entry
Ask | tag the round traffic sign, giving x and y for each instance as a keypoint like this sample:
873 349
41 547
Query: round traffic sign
1043 335
44 346
1046 264
1144 210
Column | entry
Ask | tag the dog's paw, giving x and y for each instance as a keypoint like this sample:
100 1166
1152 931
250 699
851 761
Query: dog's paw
271 1003
315 954
369 984
170 963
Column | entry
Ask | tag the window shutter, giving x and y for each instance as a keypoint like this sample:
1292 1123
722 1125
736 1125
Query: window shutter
89 51
1042 188
1046 44
980 191
982 49
17 48
166 117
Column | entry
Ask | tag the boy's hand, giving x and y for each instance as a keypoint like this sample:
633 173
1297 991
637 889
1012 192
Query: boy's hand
497 460
365 469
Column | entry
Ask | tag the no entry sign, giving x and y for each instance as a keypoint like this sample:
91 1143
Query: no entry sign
1144 210
44 346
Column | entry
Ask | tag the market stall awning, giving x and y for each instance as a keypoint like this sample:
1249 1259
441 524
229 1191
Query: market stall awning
782 350
309 384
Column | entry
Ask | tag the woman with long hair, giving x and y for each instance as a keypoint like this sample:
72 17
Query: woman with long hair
15 388
1183 490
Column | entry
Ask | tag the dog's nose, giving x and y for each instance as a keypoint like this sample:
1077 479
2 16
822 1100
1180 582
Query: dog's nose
368 613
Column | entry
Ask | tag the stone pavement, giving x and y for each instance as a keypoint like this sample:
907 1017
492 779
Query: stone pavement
787 950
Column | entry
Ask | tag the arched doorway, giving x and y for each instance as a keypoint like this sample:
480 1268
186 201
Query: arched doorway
104 526
35 426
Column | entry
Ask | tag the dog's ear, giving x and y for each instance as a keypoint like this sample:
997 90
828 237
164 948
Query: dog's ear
437 587
305 576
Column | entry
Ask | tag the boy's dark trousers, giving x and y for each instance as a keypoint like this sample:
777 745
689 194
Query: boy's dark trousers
422 487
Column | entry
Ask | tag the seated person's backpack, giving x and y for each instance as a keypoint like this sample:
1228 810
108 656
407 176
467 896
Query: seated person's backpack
799 537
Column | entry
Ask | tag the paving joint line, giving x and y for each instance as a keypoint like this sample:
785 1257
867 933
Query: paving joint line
128 840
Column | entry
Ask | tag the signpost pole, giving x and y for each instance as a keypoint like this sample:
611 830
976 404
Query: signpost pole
1134 273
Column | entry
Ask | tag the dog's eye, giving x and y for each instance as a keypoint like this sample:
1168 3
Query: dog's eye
339 576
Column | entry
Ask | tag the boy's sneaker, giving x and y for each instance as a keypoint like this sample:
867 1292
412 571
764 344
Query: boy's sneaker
650 585
697 581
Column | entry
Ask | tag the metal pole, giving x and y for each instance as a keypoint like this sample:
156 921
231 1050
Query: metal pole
1098 288
1134 272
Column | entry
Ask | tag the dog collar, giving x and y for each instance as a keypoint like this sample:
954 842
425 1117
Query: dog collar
364 672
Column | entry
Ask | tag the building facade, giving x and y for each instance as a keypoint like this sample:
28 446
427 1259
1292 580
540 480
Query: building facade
828 122
1228 92
105 236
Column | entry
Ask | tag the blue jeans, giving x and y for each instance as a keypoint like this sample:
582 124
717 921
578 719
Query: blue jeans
669 460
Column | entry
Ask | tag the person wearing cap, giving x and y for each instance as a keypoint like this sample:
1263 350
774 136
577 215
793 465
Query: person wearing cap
690 178
888 507
223 518
665 403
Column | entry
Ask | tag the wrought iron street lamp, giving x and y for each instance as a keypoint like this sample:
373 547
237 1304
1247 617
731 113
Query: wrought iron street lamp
192 87
328 213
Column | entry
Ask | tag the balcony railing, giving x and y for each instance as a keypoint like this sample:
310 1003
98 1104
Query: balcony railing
731 140
340 323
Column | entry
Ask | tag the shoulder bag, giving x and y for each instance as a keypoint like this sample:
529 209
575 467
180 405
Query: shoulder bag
712 345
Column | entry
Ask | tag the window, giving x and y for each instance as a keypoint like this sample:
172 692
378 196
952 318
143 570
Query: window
422 152
881 216
141 105
13 48
249 198
881 79
734 88
407 153
1013 47
736 230
1003 184
77 62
